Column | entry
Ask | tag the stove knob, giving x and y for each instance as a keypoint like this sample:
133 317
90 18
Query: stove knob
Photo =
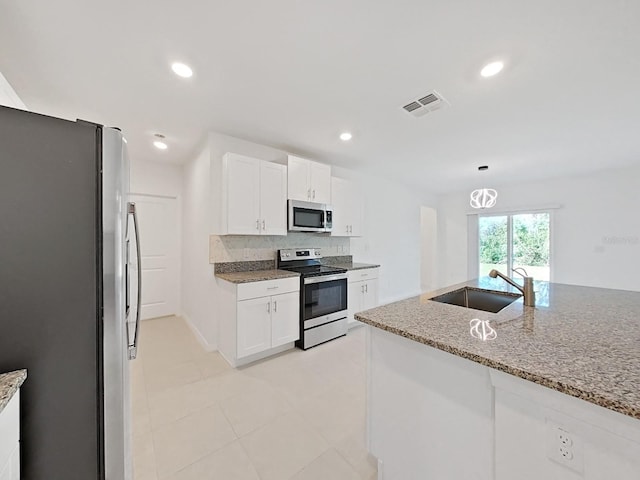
317 252
288 255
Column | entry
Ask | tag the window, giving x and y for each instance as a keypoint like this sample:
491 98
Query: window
510 241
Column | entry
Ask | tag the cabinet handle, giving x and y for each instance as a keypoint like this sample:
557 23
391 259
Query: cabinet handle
269 307
350 228
264 225
309 194
258 224
362 288
275 306
347 228
273 288
314 194
366 288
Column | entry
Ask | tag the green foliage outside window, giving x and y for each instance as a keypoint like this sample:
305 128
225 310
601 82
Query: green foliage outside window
530 240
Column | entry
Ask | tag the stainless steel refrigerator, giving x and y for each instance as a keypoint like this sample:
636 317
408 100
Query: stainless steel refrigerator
69 293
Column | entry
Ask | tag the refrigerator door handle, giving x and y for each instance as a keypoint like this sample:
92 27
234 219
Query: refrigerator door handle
132 347
127 275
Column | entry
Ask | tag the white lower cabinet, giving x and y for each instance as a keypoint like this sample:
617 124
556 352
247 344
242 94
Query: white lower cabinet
362 292
258 319
267 322
9 440
285 318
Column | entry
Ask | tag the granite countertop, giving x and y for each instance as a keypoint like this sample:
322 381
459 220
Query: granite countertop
346 261
581 341
9 385
354 266
256 275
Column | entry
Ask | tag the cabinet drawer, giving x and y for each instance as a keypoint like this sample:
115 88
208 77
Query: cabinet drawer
267 288
363 274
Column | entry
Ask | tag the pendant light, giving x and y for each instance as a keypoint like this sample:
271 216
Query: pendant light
483 197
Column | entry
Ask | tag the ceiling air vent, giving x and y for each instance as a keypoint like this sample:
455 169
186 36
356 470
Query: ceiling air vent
428 103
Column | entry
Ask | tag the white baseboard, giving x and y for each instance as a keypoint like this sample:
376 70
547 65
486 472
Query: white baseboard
206 345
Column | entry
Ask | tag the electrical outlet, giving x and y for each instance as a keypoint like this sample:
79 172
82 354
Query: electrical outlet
564 447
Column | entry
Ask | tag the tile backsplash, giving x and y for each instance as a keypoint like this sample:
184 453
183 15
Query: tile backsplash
238 248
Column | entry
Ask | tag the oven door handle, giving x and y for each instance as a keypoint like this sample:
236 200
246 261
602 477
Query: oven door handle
325 278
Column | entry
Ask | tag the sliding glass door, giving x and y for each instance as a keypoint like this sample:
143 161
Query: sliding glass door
515 241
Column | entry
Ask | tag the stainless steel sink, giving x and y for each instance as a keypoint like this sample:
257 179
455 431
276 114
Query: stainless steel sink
478 299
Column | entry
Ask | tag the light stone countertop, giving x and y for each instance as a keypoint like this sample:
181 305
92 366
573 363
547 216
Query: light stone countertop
581 341
256 276
9 384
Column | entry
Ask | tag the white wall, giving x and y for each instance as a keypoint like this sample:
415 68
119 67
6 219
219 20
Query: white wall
392 231
198 282
8 96
595 232
428 249
392 236
153 178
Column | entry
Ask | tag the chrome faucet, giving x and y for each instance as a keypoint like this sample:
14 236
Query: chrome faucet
527 288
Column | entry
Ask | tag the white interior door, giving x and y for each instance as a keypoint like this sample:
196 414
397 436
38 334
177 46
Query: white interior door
159 225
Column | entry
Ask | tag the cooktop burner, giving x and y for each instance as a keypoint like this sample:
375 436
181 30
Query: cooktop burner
314 270
305 262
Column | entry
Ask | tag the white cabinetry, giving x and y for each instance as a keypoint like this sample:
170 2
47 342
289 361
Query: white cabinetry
362 293
308 181
254 196
257 319
9 440
347 204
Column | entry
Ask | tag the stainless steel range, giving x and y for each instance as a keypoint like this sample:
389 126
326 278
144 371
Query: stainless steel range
323 296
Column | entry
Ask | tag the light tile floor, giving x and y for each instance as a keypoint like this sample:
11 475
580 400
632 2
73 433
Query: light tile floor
297 416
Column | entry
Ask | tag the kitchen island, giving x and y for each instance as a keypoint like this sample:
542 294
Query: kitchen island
546 392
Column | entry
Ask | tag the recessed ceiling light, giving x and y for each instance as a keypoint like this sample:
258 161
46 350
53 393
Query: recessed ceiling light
345 136
182 70
491 69
159 144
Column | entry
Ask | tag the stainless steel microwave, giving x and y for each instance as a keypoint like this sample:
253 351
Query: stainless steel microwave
309 217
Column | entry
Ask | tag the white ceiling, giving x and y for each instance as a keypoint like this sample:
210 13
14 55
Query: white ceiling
294 74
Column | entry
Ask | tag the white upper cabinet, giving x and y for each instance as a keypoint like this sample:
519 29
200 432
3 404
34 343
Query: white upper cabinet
273 199
308 181
254 196
298 178
347 203
320 182
243 194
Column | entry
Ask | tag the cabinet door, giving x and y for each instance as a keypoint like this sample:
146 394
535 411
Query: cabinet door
243 195
285 318
273 199
340 205
354 299
320 182
254 326
370 297
298 179
356 211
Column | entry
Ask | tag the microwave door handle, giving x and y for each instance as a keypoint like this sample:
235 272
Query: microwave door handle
132 346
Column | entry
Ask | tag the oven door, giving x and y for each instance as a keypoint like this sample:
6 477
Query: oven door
324 299
306 217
